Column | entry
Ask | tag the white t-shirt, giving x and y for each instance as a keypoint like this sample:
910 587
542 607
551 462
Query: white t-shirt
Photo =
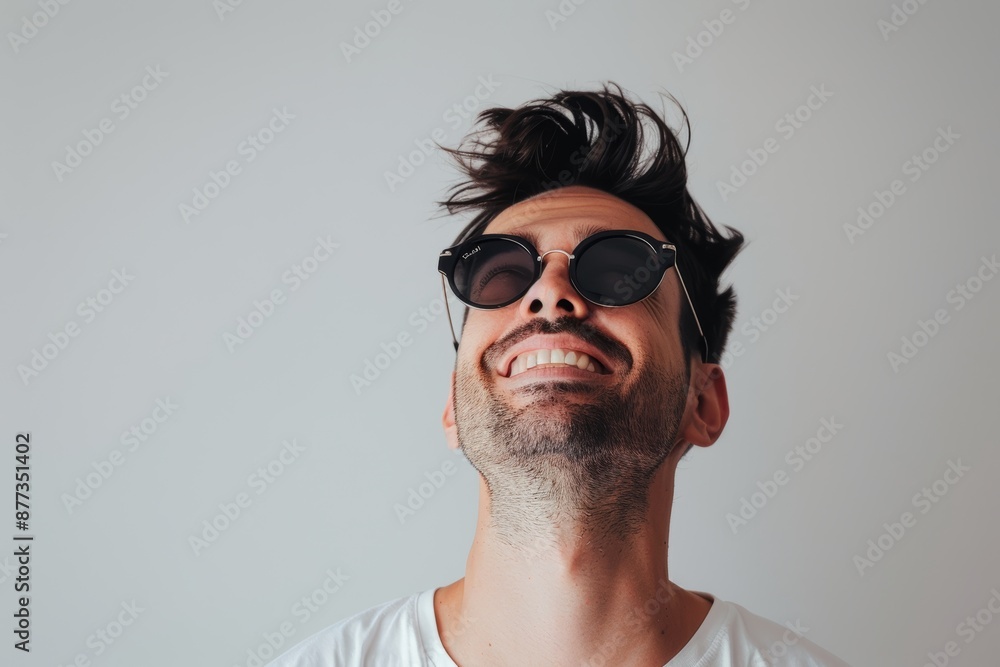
403 633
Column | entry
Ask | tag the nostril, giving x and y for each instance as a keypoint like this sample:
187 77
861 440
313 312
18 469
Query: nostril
565 305
535 306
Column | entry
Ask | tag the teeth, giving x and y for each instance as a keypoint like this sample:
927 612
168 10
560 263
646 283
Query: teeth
549 357
518 366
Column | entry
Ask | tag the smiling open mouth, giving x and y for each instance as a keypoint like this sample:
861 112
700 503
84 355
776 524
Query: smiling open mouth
555 357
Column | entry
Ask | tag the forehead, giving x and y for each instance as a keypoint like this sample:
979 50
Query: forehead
568 215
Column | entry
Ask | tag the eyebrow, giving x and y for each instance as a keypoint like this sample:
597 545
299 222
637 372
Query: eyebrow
531 236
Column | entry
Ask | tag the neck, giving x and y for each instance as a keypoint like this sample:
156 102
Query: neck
559 587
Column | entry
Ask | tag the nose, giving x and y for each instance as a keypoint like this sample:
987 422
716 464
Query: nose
552 296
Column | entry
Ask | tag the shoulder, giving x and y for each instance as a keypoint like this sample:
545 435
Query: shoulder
733 635
367 637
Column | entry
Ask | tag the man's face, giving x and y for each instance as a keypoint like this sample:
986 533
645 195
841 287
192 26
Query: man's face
624 415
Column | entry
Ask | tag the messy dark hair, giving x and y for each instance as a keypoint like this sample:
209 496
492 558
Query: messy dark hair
597 139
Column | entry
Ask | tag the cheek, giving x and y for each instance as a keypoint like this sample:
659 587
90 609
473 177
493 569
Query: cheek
657 333
654 321
481 323
482 329
656 310
665 313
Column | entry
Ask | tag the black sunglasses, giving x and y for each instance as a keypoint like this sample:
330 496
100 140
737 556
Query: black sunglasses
610 268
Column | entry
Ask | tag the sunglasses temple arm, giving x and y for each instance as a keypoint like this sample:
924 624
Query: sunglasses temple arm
448 310
704 341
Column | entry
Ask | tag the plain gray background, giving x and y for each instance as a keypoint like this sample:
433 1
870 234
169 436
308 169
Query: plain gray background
334 507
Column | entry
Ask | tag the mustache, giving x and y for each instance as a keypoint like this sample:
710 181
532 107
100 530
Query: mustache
611 348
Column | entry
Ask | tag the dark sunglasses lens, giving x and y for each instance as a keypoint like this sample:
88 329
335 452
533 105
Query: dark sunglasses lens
619 270
493 272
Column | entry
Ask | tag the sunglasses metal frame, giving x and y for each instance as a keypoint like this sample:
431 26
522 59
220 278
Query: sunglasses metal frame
448 259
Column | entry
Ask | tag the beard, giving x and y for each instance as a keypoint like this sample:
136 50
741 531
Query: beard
572 453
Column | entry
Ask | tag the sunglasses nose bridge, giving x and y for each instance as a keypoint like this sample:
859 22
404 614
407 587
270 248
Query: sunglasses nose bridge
553 293
540 259
542 256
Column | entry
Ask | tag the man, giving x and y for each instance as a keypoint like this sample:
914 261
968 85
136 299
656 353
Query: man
587 368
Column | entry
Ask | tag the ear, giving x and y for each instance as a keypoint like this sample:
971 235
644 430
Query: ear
448 418
708 405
